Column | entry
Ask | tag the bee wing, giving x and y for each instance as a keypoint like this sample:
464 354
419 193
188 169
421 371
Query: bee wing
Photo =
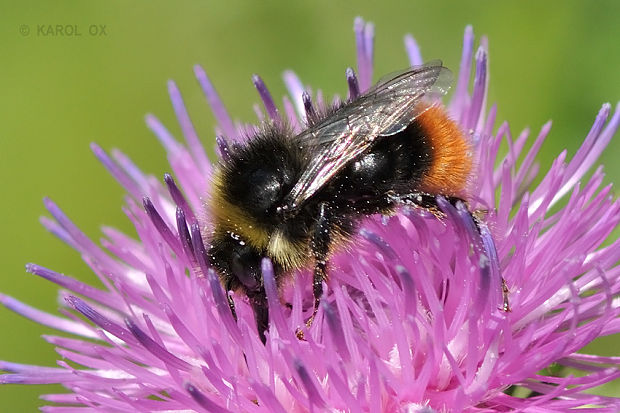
385 109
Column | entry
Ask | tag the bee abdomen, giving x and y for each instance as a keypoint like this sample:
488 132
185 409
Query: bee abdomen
451 162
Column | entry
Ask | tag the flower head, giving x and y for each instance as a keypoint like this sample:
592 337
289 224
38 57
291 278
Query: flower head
412 320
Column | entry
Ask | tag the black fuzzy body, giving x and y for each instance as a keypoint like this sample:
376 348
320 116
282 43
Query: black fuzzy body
258 176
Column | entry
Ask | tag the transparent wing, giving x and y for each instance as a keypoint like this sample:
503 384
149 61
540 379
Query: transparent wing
385 109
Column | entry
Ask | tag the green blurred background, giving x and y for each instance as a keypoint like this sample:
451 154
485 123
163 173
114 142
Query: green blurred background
555 60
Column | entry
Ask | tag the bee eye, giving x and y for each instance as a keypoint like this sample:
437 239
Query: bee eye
245 272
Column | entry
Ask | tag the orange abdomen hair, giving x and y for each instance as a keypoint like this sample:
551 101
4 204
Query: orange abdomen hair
451 154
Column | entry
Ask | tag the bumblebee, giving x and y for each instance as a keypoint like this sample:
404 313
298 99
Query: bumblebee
296 199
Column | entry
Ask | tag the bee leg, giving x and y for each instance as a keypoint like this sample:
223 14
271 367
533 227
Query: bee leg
321 240
231 302
478 223
414 198
419 200
258 300
506 305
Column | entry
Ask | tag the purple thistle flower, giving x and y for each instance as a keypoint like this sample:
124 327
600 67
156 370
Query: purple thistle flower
412 320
